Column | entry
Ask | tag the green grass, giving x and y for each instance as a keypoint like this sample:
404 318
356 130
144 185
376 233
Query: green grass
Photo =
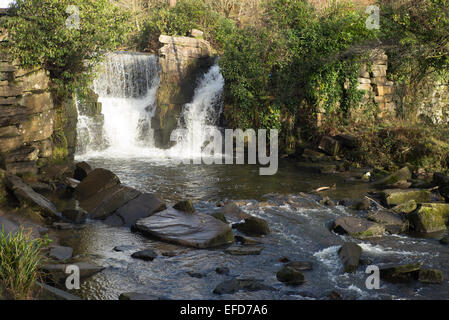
20 261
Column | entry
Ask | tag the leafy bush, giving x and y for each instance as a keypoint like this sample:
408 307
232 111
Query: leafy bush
20 260
40 37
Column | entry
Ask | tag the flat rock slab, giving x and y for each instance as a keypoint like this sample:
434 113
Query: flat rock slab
394 197
358 228
189 229
57 271
244 250
61 253
142 206
25 194
393 223
106 202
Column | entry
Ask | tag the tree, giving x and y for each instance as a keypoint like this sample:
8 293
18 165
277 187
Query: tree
46 33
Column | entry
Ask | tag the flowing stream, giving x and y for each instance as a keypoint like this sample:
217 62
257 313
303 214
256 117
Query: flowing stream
127 89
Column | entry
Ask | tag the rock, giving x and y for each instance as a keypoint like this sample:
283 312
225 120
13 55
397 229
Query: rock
124 248
430 276
334 295
194 274
254 226
96 181
347 140
8 227
51 293
147 255
185 206
197 33
392 222
56 173
350 256
290 276
327 202
77 216
358 228
442 181
329 145
140 207
28 196
362 204
106 202
63 226
61 253
284 259
393 197
82 169
406 207
138 296
57 271
300 265
222 270
190 229
232 211
220 216
234 285
247 240
444 240
399 176
71 183
430 217
400 273
244 250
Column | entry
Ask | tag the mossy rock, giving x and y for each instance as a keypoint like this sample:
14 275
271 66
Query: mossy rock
290 276
401 273
406 207
358 228
430 217
394 197
403 174
430 276
220 216
254 226
186 206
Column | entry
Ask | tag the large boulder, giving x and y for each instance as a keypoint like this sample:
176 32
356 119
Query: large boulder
358 228
399 177
350 256
400 273
189 229
394 197
430 217
26 195
142 206
106 202
405 208
254 226
393 223
96 181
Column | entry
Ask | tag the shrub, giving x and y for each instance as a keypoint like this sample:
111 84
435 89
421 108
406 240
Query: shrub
20 260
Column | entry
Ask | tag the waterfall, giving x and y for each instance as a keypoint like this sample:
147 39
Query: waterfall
127 87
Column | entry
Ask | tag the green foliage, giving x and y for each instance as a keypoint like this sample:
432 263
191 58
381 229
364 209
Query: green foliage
40 37
20 260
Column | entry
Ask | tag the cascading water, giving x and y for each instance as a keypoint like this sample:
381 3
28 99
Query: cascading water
127 89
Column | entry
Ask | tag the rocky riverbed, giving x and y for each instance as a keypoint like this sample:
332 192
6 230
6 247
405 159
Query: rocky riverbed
143 230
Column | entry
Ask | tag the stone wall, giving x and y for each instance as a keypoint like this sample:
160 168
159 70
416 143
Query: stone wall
29 117
183 60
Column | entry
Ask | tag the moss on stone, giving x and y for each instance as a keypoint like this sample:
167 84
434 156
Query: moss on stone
393 197
431 217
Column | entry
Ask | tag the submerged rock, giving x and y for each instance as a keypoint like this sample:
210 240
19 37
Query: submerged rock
247 240
234 285
350 256
400 273
430 276
61 253
430 217
186 206
254 226
190 229
392 222
147 255
244 250
142 206
290 276
26 195
406 207
393 197
358 228
300 265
